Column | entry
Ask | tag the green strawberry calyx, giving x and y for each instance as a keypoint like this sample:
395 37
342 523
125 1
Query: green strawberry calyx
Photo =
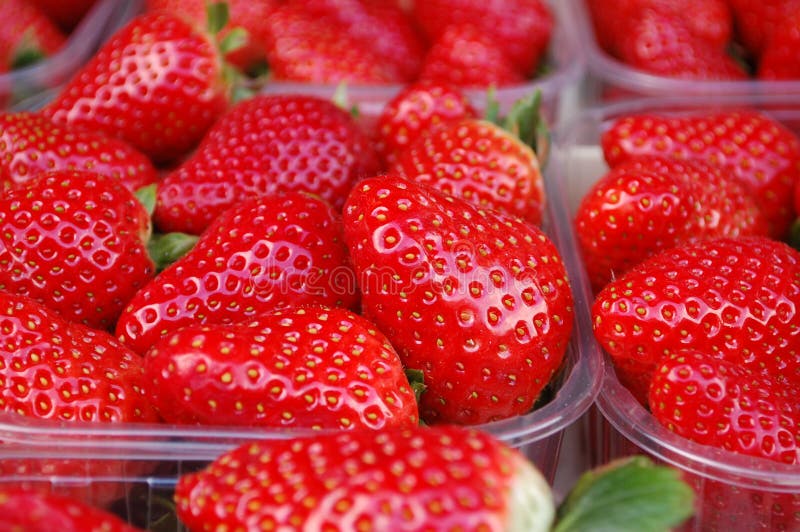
524 120
163 248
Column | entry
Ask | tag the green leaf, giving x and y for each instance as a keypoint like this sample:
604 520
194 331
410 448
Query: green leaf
166 248
147 197
28 52
794 235
235 39
417 381
492 113
525 121
217 16
632 494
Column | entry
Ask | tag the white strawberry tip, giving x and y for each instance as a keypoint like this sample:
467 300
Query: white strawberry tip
531 507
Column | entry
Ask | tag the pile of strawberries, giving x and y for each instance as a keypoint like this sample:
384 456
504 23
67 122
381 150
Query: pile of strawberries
705 39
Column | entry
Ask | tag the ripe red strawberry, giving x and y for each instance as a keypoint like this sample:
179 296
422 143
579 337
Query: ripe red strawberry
418 109
301 46
780 59
648 204
67 14
480 162
437 478
31 143
62 372
265 253
249 15
721 404
521 28
663 43
756 149
31 511
266 145
75 242
26 35
733 298
477 300
304 367
467 57
157 83
755 21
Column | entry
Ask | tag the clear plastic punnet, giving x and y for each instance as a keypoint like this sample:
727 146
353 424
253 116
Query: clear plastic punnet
611 79
100 21
734 492
132 468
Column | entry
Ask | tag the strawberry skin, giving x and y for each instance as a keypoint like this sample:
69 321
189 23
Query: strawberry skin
266 253
418 109
756 21
480 162
434 478
31 143
780 59
735 298
718 403
263 146
307 367
75 242
477 300
31 511
648 204
157 84
757 150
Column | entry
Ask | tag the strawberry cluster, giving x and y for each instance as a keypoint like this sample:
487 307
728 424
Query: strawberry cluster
707 39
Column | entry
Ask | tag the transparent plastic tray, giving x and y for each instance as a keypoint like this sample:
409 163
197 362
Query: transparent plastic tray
609 78
755 489
103 18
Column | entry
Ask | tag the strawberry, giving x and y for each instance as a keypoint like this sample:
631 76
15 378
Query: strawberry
31 143
67 14
301 46
721 404
74 241
27 35
481 162
320 368
520 28
780 59
663 44
753 147
59 371
265 253
647 204
249 15
266 145
755 21
30 511
466 57
733 298
476 300
439 478
418 109
157 83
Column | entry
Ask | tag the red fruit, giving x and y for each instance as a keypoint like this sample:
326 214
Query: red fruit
26 35
30 511
249 15
31 143
438 478
663 44
733 298
75 242
466 57
477 300
301 46
157 83
718 403
266 253
520 28
755 21
648 204
309 367
756 149
263 146
480 162
780 59
64 372
67 14
418 109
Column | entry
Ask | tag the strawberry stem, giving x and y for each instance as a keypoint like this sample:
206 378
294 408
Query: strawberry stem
631 494
166 248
